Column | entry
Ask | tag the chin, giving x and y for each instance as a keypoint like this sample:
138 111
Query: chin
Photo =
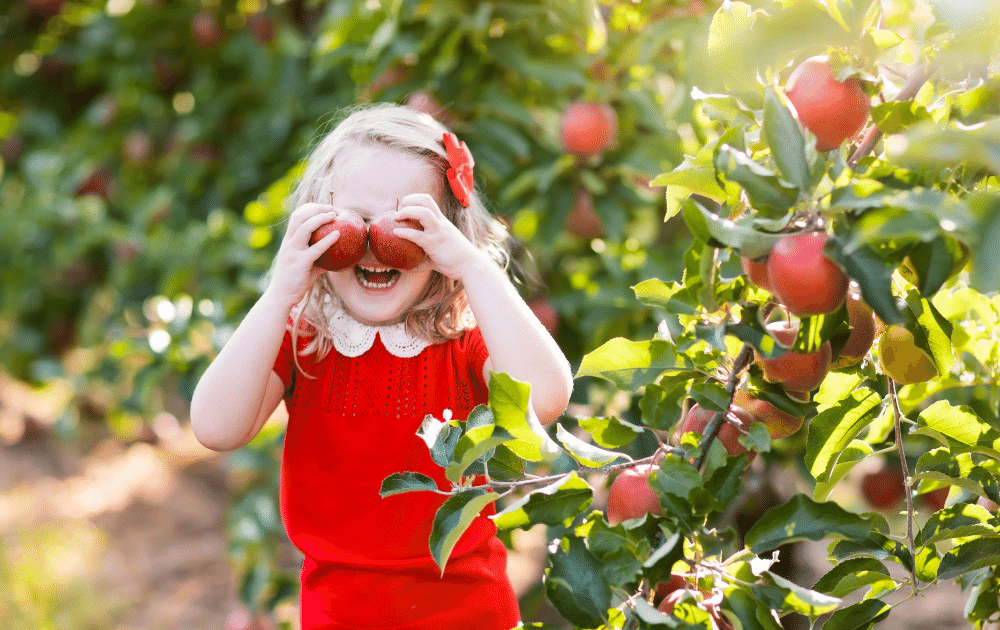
377 295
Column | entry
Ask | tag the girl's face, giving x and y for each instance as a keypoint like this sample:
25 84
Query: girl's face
368 181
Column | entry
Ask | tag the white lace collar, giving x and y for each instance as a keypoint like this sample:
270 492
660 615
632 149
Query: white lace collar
351 338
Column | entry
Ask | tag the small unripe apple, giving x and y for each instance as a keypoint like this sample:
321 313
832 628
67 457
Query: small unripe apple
756 271
349 247
901 359
859 342
805 281
582 220
588 129
832 110
631 496
779 423
795 371
392 250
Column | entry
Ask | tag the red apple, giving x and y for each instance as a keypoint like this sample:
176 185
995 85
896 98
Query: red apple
779 423
795 371
392 250
832 110
546 314
588 128
862 321
936 499
205 29
883 488
663 589
631 496
97 183
697 418
349 247
803 279
756 271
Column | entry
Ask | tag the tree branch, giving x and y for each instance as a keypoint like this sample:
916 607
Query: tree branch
913 84
740 363
896 415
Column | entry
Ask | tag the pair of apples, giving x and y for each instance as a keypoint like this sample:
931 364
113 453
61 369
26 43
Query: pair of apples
356 236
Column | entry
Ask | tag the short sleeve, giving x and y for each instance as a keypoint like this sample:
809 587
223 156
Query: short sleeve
284 364
474 349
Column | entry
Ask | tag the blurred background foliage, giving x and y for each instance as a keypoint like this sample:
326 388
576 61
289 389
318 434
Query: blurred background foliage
147 147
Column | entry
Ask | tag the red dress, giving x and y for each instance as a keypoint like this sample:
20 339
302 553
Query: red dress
367 563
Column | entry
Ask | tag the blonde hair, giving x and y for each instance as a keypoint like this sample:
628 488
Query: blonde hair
442 311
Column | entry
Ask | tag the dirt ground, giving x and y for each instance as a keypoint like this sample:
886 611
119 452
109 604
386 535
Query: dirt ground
97 534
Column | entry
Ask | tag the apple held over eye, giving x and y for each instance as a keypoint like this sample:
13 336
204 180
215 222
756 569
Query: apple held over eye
348 249
389 249
588 129
631 496
832 110
805 281
795 371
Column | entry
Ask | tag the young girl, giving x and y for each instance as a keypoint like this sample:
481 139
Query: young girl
360 356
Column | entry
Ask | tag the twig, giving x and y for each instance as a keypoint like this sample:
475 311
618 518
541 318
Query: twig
896 414
740 363
913 84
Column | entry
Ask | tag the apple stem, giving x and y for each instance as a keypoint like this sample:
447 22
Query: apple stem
896 415
913 84
740 363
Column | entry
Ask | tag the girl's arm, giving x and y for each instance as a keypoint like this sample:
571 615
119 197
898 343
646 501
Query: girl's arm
239 390
518 343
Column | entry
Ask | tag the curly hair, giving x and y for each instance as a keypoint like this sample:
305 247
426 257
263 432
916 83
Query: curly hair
442 311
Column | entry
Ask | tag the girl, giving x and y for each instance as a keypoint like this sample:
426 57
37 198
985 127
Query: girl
360 356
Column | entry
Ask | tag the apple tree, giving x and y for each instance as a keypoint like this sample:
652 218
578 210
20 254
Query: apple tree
838 308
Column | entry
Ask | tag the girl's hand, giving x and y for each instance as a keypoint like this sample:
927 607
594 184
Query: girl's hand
447 249
294 270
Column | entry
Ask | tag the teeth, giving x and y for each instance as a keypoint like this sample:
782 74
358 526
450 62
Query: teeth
362 272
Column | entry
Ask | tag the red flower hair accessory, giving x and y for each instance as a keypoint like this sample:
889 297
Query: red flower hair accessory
461 163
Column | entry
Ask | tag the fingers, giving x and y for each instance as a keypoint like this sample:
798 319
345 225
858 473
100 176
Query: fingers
305 220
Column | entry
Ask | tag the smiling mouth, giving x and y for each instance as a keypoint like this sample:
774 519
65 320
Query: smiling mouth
372 278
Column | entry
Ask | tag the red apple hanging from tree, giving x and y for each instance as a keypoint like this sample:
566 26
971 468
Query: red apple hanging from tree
832 110
804 280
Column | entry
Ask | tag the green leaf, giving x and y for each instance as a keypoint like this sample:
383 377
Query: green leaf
933 262
850 575
787 596
801 518
959 429
512 412
834 428
762 186
554 504
971 555
853 453
875 545
874 277
739 234
861 616
505 465
669 296
631 364
575 584
784 135
958 521
985 206
940 464
933 332
453 518
397 483
583 452
477 443
675 476
610 431
440 437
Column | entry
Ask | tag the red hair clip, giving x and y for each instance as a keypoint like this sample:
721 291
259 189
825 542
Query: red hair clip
461 163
